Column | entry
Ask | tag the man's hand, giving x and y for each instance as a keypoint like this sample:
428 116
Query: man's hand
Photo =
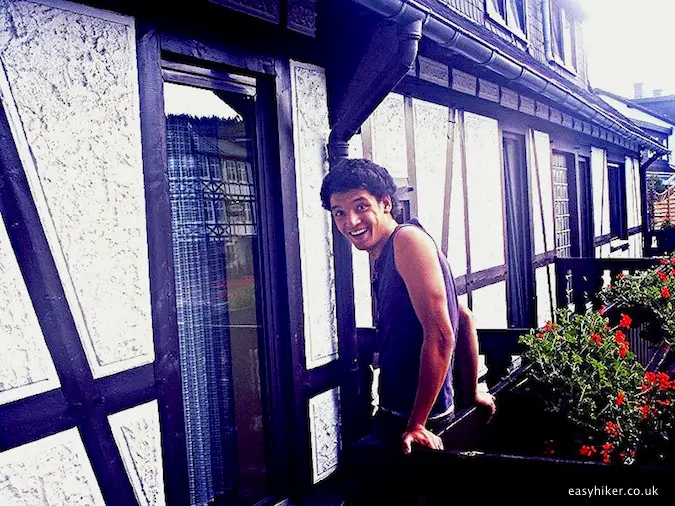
418 434
485 400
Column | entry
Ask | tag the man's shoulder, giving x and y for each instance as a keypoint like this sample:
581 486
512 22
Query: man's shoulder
412 237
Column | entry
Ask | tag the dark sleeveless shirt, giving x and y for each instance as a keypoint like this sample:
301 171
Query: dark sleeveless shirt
401 335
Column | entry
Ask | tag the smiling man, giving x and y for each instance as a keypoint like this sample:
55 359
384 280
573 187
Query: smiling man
419 320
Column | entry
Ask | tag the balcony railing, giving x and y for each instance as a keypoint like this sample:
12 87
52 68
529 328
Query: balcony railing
579 281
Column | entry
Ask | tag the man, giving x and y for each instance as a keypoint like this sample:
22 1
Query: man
419 320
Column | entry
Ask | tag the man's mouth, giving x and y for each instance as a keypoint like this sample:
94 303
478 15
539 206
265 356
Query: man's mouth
357 233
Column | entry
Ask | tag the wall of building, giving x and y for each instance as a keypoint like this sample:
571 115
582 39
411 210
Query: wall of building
69 87
475 11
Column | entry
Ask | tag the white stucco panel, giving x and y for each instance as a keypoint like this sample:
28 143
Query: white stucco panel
53 471
431 143
310 135
137 435
71 89
633 196
485 191
546 290
600 190
26 367
363 300
489 306
389 141
324 420
539 154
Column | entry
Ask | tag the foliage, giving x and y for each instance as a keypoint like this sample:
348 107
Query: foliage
647 297
666 224
612 409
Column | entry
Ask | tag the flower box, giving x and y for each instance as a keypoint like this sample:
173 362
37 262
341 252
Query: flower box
494 460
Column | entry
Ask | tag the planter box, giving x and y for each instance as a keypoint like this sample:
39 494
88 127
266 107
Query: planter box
494 460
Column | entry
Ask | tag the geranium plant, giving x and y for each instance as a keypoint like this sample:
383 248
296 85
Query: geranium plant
648 297
608 407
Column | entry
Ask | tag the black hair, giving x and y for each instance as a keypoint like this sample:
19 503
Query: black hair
359 174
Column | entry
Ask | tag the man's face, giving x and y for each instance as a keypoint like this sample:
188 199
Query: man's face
362 219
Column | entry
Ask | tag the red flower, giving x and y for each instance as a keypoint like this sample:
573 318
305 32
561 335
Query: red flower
621 275
625 321
619 399
612 429
664 261
645 411
662 276
664 381
602 310
672 272
540 335
587 451
665 292
596 338
619 337
606 452
623 349
550 326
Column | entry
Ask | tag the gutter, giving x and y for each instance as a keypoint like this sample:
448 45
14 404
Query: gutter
462 42
366 90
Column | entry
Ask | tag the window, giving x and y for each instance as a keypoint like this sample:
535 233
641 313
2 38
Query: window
222 326
560 37
509 14
618 218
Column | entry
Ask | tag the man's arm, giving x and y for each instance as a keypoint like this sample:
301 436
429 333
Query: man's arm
466 360
417 262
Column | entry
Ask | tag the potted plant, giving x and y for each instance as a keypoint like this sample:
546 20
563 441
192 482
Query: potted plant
647 296
602 404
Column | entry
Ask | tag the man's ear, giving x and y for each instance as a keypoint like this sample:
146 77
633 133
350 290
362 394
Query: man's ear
387 203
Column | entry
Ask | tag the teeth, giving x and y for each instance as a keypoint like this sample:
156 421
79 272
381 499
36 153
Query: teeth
358 232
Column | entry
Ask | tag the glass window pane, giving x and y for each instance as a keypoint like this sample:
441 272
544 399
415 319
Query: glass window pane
515 15
215 240
556 29
567 38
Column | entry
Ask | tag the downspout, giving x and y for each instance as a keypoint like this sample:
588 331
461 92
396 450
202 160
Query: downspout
364 92
546 18
362 98
481 52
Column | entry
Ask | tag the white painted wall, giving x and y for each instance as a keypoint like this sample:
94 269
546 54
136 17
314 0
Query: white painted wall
69 87
600 191
310 135
539 164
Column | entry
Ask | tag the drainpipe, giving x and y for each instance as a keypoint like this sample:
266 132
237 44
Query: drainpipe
546 18
362 97
366 89
481 52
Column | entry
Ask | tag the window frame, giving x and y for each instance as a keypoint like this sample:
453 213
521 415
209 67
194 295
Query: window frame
555 10
618 210
502 20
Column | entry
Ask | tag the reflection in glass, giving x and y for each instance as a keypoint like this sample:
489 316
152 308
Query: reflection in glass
215 236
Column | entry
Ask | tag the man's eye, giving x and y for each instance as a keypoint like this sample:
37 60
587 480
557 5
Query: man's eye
338 214
361 207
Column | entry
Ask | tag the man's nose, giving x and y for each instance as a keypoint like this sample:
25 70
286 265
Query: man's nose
353 219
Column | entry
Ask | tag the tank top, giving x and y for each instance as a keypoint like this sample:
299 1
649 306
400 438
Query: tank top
401 335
